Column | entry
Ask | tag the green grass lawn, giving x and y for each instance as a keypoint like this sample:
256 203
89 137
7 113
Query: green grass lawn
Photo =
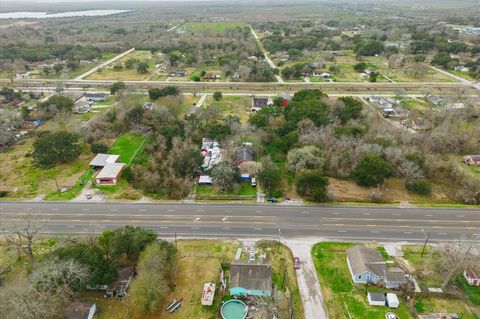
426 275
213 26
231 105
127 146
241 189
72 192
342 298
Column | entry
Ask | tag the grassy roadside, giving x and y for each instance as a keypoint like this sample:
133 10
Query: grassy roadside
284 276
342 298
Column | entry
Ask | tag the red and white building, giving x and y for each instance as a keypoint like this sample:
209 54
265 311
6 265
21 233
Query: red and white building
472 277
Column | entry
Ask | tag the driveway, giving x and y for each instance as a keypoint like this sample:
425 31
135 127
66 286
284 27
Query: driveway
308 280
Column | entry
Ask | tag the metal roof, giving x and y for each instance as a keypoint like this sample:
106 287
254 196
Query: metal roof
104 159
111 170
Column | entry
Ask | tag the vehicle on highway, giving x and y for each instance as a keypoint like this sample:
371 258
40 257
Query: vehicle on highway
296 263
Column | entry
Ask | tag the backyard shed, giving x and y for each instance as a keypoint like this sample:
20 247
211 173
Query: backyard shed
392 300
376 299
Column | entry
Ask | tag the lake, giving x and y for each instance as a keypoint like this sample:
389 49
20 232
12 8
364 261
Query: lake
44 15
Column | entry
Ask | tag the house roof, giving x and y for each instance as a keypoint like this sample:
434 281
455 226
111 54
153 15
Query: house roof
78 310
475 158
251 274
103 159
374 296
244 154
395 274
472 274
111 170
363 259
205 179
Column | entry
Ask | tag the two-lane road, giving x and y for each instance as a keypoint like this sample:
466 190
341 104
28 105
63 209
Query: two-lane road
254 221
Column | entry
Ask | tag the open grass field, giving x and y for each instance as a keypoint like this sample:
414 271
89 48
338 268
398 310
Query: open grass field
108 73
24 180
127 147
342 298
213 26
232 105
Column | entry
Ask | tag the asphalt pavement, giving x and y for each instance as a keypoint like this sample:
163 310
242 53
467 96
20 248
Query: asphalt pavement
254 221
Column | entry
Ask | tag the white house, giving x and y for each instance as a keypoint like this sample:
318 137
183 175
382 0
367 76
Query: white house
366 265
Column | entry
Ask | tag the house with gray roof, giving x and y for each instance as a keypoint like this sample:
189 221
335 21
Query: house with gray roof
101 160
366 265
251 277
394 278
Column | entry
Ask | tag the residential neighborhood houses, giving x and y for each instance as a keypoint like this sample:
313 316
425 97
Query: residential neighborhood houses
108 169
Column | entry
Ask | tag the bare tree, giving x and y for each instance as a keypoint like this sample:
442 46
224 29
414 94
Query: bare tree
454 258
21 234
44 293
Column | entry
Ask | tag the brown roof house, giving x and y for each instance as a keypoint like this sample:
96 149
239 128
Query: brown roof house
80 310
366 265
251 277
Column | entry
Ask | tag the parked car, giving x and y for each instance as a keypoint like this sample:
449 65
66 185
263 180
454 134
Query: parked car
253 182
88 196
391 315
252 255
296 263
272 200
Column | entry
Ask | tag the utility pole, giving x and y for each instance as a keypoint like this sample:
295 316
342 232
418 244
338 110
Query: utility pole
284 276
279 238
427 236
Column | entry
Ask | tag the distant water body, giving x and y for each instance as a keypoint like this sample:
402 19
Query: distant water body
45 15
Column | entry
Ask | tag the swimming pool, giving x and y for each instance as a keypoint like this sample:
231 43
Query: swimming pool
234 309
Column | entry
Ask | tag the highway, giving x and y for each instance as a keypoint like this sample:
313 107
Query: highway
188 86
253 221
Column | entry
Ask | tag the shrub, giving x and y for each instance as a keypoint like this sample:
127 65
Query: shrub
98 148
312 185
217 96
371 171
3 193
419 187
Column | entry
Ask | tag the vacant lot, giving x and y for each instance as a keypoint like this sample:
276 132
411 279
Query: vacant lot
23 179
342 298
109 73
232 105
199 262
213 26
